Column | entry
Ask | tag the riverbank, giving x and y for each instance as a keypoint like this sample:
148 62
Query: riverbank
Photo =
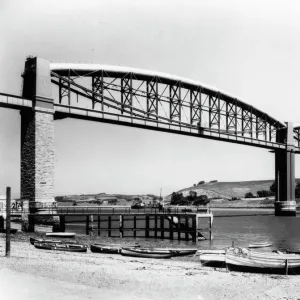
38 274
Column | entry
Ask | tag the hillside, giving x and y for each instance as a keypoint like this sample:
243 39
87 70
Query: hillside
227 190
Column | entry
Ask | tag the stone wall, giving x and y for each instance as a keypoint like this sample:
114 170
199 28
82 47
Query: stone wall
37 156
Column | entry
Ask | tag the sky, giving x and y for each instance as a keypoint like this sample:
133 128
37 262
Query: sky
249 49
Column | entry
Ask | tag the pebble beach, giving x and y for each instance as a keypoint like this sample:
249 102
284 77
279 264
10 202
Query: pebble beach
30 273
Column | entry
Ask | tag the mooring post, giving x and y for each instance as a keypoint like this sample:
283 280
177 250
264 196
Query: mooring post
91 225
155 226
62 225
134 226
210 227
171 227
87 220
186 228
109 226
121 226
147 227
162 227
98 225
7 249
179 228
195 230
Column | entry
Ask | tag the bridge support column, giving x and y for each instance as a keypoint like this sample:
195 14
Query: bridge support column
285 204
37 134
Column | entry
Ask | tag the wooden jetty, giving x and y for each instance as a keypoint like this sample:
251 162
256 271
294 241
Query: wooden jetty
175 222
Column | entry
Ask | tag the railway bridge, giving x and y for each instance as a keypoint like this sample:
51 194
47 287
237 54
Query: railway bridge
143 99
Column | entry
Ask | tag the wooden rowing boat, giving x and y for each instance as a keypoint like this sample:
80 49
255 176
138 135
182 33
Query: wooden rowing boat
61 247
216 260
33 240
110 248
12 230
260 245
146 252
178 251
253 261
61 234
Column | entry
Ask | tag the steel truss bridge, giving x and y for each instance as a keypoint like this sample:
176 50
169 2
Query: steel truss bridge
156 101
142 99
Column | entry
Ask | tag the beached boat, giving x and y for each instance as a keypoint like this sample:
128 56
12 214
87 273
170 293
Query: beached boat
12 230
147 253
33 240
212 258
253 261
110 248
61 247
61 234
178 251
260 245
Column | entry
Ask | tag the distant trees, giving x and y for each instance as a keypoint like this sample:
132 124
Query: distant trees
273 189
264 193
192 198
213 181
201 200
249 195
201 182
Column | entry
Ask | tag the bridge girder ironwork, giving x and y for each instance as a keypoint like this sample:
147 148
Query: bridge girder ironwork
167 101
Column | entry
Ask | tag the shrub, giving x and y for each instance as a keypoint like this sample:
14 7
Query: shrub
249 195
213 181
265 193
201 182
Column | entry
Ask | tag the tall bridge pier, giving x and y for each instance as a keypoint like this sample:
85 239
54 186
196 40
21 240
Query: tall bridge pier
37 136
285 204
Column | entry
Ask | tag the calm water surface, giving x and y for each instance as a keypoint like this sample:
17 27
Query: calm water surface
243 226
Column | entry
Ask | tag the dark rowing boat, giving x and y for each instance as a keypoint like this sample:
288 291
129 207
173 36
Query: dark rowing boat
61 247
147 253
41 240
110 248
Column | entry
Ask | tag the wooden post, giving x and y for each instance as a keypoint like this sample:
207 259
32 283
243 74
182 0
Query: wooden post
210 227
87 224
179 228
109 226
155 226
98 225
286 267
121 226
134 226
162 227
62 223
7 249
194 225
147 227
186 228
92 225
171 227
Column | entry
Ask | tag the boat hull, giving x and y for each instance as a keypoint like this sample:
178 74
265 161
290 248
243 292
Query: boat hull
33 240
146 253
178 251
61 247
61 234
260 245
263 262
215 260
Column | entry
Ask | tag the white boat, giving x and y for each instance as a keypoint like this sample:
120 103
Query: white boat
212 258
260 245
61 234
253 261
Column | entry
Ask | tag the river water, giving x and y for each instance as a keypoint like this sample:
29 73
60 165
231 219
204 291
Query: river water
241 226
